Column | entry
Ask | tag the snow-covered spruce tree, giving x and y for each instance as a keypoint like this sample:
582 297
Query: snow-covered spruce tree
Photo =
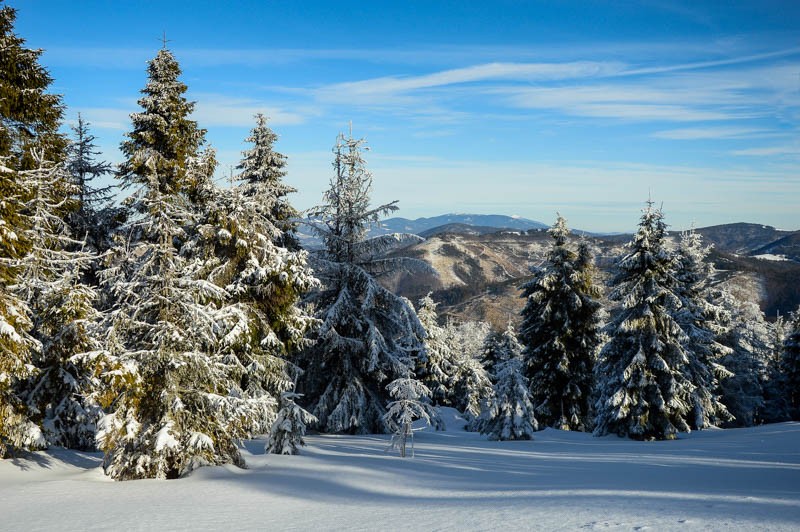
472 387
66 392
368 335
643 391
790 365
411 402
499 347
29 120
17 431
178 412
561 333
289 426
702 321
437 369
95 218
752 394
510 413
262 173
242 243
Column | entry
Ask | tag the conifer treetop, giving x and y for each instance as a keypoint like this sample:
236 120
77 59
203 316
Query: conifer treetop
29 116
162 133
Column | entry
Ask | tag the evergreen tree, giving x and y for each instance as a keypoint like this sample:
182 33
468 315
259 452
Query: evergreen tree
95 218
17 431
702 321
411 403
561 333
509 415
436 371
368 335
753 393
643 391
791 365
263 169
29 116
64 393
29 122
289 427
242 244
472 386
177 412
498 348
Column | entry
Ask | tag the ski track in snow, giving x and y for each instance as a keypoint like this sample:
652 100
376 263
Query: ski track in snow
737 479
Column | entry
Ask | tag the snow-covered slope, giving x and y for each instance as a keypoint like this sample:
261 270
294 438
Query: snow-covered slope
739 479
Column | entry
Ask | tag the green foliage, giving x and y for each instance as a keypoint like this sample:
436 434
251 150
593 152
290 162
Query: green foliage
642 388
561 333
29 116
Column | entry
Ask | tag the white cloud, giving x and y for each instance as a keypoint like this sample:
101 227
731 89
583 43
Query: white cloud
698 133
219 110
769 151
394 85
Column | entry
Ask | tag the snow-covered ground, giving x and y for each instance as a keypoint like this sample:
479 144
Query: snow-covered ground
746 479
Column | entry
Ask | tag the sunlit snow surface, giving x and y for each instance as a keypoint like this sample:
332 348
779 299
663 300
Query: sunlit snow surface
740 479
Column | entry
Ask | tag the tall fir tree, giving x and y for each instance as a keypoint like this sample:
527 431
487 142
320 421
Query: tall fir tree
29 122
437 369
246 244
65 392
702 321
368 336
643 391
177 412
561 333
95 218
790 365
17 431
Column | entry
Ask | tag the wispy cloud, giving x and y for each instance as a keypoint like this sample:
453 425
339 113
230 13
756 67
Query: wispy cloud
219 110
767 151
391 85
697 133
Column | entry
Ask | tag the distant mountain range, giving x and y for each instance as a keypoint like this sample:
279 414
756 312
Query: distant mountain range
481 260
458 223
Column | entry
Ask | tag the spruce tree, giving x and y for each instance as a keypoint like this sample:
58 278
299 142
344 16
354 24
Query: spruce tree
701 320
65 392
437 369
289 427
753 394
472 386
95 218
178 413
643 391
246 246
561 333
509 414
790 365
29 122
368 335
17 431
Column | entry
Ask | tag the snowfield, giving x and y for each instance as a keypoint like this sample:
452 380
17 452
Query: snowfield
738 479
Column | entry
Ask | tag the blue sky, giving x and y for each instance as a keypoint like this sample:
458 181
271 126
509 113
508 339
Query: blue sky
505 107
